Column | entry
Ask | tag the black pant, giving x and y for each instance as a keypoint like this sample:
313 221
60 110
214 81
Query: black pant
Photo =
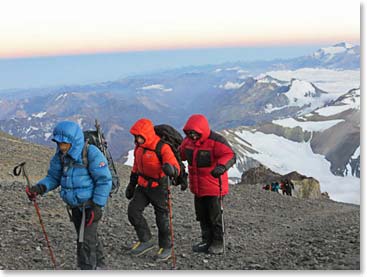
90 251
288 190
158 198
208 213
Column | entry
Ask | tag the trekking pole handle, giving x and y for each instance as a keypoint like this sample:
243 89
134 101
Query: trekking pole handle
19 169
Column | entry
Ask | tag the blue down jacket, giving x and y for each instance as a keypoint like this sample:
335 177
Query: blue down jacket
78 184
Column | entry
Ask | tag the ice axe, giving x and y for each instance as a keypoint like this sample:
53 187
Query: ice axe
20 169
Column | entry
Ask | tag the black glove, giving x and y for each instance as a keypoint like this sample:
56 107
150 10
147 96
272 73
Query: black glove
35 190
93 214
130 189
169 170
183 186
218 171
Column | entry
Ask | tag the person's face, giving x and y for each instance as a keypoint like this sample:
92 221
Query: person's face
139 139
64 147
193 135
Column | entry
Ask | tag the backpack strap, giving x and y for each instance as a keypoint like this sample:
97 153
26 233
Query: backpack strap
158 150
85 154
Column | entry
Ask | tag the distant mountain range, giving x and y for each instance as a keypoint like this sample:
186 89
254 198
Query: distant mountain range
231 95
324 144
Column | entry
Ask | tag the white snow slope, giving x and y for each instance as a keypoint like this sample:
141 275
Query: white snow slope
283 156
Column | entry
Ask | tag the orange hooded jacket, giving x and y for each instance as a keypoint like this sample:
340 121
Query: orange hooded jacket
146 162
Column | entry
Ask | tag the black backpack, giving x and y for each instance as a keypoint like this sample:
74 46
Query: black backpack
173 138
96 138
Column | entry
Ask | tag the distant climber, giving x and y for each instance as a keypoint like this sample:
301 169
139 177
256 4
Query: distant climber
275 186
288 187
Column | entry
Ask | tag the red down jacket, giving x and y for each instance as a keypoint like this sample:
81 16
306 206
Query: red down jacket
204 155
146 161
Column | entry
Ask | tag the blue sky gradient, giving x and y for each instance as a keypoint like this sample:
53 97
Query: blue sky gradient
84 69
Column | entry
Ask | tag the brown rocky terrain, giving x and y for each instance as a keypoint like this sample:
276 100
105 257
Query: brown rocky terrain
264 230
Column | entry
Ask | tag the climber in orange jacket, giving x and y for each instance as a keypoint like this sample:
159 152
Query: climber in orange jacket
148 185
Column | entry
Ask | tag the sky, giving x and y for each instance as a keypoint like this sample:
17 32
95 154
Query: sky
47 43
44 27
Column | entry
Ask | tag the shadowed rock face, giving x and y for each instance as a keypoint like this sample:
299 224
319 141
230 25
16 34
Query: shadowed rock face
259 175
339 143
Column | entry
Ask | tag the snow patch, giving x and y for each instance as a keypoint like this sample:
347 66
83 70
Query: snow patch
331 110
157 87
269 108
231 85
333 81
47 135
39 115
300 92
61 96
235 68
333 50
283 156
351 101
357 153
312 126
31 128
130 158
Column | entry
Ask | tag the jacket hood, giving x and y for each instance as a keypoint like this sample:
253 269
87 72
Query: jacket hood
69 132
199 124
145 128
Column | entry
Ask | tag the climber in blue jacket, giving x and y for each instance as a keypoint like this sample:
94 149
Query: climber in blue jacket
85 180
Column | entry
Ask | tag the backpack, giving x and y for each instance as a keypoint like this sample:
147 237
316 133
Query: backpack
96 138
173 138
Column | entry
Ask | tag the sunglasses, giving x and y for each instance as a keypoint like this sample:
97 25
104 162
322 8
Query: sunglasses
192 134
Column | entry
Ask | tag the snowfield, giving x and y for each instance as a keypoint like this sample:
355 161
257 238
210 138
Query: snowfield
332 81
283 156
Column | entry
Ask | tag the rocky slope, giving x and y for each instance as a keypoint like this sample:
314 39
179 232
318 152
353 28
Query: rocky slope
264 230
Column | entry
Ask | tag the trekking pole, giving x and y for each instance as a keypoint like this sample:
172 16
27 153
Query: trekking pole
222 214
170 224
18 169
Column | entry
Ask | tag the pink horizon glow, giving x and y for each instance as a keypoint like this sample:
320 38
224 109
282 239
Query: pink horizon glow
168 46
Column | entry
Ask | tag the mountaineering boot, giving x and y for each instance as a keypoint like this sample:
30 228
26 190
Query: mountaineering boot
163 254
201 247
216 247
140 248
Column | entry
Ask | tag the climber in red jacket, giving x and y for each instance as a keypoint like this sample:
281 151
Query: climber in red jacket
209 156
